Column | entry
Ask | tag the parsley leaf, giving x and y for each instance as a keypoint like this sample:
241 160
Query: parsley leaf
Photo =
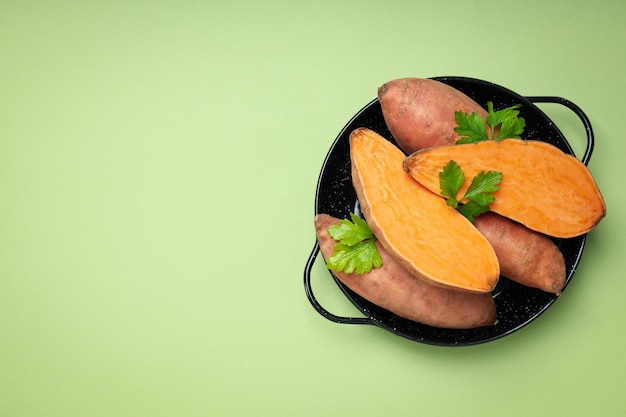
473 128
359 258
477 197
350 233
471 210
511 126
483 184
450 180
355 250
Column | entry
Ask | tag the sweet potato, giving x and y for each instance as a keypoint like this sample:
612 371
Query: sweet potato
411 121
394 289
526 257
425 235
542 187
419 112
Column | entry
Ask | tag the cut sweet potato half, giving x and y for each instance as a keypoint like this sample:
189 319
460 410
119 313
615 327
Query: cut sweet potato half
393 288
542 187
426 236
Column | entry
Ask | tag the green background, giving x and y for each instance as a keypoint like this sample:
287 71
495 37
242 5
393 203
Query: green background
158 165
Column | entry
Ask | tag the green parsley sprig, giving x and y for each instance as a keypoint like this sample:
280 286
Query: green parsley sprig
478 196
473 128
355 250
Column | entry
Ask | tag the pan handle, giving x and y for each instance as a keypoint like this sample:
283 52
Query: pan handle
579 112
321 310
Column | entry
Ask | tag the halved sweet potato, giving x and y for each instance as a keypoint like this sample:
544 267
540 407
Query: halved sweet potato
425 235
393 288
542 187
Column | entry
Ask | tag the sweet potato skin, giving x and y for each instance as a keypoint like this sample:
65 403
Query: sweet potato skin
419 112
393 288
526 257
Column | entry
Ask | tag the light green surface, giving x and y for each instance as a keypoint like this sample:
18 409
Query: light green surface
158 164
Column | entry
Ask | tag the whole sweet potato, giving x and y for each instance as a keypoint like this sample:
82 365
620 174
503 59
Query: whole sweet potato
419 112
393 288
530 258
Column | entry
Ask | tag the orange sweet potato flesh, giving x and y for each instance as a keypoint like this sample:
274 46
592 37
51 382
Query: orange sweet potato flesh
542 187
525 256
426 236
419 112
393 288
